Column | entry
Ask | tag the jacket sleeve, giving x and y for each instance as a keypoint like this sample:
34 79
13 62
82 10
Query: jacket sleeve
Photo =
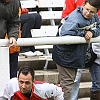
96 49
9 89
71 28
96 32
14 22
47 90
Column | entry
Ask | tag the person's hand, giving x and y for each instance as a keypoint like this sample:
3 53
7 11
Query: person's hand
24 11
12 42
8 0
88 36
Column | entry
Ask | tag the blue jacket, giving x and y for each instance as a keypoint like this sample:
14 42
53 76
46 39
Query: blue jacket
74 55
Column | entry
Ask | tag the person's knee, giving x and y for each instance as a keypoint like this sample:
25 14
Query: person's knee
37 16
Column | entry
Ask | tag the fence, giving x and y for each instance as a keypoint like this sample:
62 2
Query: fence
4 50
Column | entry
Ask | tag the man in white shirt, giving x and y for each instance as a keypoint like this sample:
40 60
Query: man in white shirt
25 88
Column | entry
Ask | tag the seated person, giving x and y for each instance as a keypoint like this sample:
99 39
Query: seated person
26 88
28 22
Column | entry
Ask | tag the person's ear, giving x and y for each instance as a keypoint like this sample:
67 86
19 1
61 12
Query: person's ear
83 4
33 80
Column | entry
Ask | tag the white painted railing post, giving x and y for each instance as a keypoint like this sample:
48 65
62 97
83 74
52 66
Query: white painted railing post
4 66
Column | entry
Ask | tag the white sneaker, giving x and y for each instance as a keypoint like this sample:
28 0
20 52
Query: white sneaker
29 54
38 53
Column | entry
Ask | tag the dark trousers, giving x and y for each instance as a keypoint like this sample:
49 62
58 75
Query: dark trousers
13 65
28 22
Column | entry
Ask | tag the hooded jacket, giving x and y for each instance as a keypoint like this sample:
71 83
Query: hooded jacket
74 55
9 18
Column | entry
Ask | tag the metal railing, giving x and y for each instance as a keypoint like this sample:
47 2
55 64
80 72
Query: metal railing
4 50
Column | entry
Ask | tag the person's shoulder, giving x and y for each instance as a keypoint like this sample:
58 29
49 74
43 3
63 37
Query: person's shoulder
13 81
13 84
76 12
15 2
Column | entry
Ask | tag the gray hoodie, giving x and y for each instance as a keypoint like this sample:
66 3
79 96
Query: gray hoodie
9 19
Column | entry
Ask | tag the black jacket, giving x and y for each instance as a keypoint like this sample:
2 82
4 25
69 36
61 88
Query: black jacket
9 18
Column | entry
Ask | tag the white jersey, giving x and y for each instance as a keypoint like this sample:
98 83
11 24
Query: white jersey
44 90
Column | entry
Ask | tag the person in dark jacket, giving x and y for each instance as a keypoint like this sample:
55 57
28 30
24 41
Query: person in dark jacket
9 23
84 22
28 22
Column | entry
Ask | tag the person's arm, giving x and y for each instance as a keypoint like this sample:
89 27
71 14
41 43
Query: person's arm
47 90
13 24
96 49
96 31
9 89
70 28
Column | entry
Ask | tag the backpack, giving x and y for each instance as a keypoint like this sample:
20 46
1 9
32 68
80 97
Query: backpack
90 56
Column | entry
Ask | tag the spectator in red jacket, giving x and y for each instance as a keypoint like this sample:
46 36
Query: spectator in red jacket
71 5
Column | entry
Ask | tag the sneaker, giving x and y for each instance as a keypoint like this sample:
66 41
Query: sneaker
29 54
38 53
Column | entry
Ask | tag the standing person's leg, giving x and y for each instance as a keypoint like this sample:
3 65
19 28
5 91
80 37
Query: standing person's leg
75 89
67 77
95 75
13 64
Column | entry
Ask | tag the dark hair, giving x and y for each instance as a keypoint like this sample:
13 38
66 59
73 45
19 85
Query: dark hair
25 70
94 3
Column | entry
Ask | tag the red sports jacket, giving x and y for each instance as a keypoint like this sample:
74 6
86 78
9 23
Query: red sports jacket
71 5
19 96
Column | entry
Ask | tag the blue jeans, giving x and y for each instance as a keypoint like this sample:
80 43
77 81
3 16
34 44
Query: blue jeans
95 75
75 89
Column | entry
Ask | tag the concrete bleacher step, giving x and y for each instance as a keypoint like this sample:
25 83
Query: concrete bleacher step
51 75
35 62
84 89
84 99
